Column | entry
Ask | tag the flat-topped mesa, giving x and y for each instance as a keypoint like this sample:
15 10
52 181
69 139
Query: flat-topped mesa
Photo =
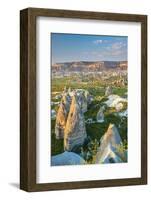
62 115
75 132
109 144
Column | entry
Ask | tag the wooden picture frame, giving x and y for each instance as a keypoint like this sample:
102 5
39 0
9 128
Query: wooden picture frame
28 98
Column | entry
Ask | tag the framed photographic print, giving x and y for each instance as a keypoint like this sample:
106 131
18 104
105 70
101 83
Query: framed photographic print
83 92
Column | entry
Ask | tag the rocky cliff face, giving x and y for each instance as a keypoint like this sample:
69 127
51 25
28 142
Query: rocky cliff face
75 132
85 66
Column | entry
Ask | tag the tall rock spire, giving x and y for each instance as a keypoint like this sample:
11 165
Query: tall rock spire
62 115
75 132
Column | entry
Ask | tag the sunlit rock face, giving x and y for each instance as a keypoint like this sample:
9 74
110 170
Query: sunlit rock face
89 98
60 121
67 158
114 100
66 100
75 132
119 106
108 91
108 151
62 115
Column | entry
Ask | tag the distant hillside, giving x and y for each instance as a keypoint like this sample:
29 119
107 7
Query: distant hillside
84 66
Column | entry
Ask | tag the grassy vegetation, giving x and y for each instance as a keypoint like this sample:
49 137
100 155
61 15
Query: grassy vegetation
95 130
56 145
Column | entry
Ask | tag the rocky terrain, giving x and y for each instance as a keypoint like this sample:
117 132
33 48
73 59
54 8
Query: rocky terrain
84 66
89 126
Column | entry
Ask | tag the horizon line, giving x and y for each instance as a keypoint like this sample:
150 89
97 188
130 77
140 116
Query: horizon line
91 61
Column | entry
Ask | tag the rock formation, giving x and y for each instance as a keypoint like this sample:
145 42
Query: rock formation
109 143
100 115
60 121
82 102
67 158
62 115
123 113
108 91
75 132
53 114
66 100
119 106
114 99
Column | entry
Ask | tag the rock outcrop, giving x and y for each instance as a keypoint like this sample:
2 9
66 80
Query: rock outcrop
100 115
75 132
108 152
62 115
67 158
82 101
123 114
66 100
53 114
60 121
114 99
108 91
119 106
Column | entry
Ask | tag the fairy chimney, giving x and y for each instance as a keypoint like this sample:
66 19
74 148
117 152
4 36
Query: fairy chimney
61 117
109 144
75 132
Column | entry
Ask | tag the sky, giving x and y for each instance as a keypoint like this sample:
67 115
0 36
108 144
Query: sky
81 47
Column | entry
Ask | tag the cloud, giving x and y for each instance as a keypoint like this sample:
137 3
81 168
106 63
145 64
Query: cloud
97 41
114 50
108 50
118 45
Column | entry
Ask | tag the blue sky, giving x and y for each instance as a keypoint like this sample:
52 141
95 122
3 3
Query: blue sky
78 47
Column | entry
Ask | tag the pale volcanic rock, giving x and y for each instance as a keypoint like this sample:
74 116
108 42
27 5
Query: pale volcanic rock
75 132
60 121
82 102
100 115
114 99
123 114
108 91
119 106
66 100
109 143
62 115
67 158
53 114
